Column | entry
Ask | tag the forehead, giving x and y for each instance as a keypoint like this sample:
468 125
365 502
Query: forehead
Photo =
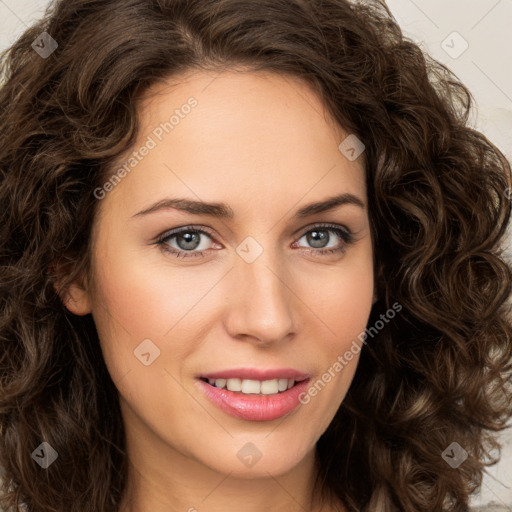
212 134
268 98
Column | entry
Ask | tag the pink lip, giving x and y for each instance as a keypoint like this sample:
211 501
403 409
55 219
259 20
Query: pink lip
254 407
257 374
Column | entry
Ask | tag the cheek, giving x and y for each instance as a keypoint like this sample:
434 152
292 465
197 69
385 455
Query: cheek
342 305
138 300
341 296
146 299
343 316
141 308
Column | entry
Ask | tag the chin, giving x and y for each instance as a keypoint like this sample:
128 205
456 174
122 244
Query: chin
256 457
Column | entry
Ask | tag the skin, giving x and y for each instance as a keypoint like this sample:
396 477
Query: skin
263 144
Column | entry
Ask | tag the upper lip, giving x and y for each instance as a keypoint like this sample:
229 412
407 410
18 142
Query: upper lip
257 374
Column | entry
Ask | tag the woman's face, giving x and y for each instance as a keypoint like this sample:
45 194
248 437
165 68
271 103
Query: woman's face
258 286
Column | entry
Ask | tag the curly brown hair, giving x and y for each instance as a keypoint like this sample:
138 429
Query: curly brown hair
441 370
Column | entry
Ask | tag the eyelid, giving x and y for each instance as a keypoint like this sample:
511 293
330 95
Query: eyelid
321 225
182 229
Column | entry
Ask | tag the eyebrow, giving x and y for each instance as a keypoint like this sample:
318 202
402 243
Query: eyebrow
224 211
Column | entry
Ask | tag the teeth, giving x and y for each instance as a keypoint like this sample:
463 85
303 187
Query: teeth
254 387
232 384
282 384
270 387
220 383
251 386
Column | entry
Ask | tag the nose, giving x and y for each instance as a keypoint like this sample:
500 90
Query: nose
261 304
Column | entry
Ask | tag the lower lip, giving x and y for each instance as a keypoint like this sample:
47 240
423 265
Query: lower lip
255 407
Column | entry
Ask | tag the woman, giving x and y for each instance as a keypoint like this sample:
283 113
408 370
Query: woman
250 261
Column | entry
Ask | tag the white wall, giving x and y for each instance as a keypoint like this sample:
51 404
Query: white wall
485 26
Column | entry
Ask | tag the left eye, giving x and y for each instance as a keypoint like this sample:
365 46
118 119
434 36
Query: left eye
319 236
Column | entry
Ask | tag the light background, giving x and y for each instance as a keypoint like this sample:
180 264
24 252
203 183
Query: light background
485 66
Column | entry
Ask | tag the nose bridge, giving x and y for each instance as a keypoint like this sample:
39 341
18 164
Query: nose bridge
261 305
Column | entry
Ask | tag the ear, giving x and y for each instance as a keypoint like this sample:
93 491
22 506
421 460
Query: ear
75 297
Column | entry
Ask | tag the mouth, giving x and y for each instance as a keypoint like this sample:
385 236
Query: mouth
255 395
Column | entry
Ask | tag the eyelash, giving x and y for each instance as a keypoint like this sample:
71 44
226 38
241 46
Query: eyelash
345 234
